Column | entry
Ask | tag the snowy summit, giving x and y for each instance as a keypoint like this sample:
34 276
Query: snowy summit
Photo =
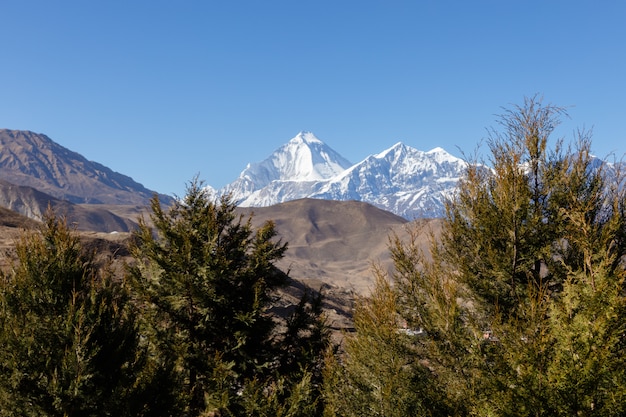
401 179
306 158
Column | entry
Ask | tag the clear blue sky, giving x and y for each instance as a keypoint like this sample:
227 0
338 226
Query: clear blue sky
164 90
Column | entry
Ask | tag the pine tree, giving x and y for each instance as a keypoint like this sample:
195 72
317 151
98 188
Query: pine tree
537 241
69 343
205 280
521 299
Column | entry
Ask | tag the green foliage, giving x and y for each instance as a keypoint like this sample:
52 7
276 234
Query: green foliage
205 279
280 398
429 298
522 298
68 339
305 339
377 376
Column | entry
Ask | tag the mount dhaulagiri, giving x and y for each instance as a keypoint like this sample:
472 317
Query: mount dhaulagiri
403 180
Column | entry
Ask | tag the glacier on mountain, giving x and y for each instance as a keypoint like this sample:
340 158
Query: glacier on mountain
401 179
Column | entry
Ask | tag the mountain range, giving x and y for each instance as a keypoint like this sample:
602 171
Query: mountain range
36 172
403 180
331 242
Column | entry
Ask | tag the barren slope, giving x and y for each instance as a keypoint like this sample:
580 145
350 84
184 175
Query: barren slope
334 242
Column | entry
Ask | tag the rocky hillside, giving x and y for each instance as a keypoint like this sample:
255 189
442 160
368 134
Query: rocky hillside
34 160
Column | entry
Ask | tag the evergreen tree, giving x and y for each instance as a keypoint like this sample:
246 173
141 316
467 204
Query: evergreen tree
538 242
69 344
205 280
521 298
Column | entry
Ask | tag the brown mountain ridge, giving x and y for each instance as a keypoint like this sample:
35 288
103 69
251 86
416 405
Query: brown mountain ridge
336 243
34 160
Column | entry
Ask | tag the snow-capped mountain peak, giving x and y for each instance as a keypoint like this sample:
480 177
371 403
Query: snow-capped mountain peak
397 148
306 158
441 156
306 138
436 150
303 159
401 179
406 160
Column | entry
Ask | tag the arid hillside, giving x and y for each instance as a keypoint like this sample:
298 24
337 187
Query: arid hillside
333 242
34 160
